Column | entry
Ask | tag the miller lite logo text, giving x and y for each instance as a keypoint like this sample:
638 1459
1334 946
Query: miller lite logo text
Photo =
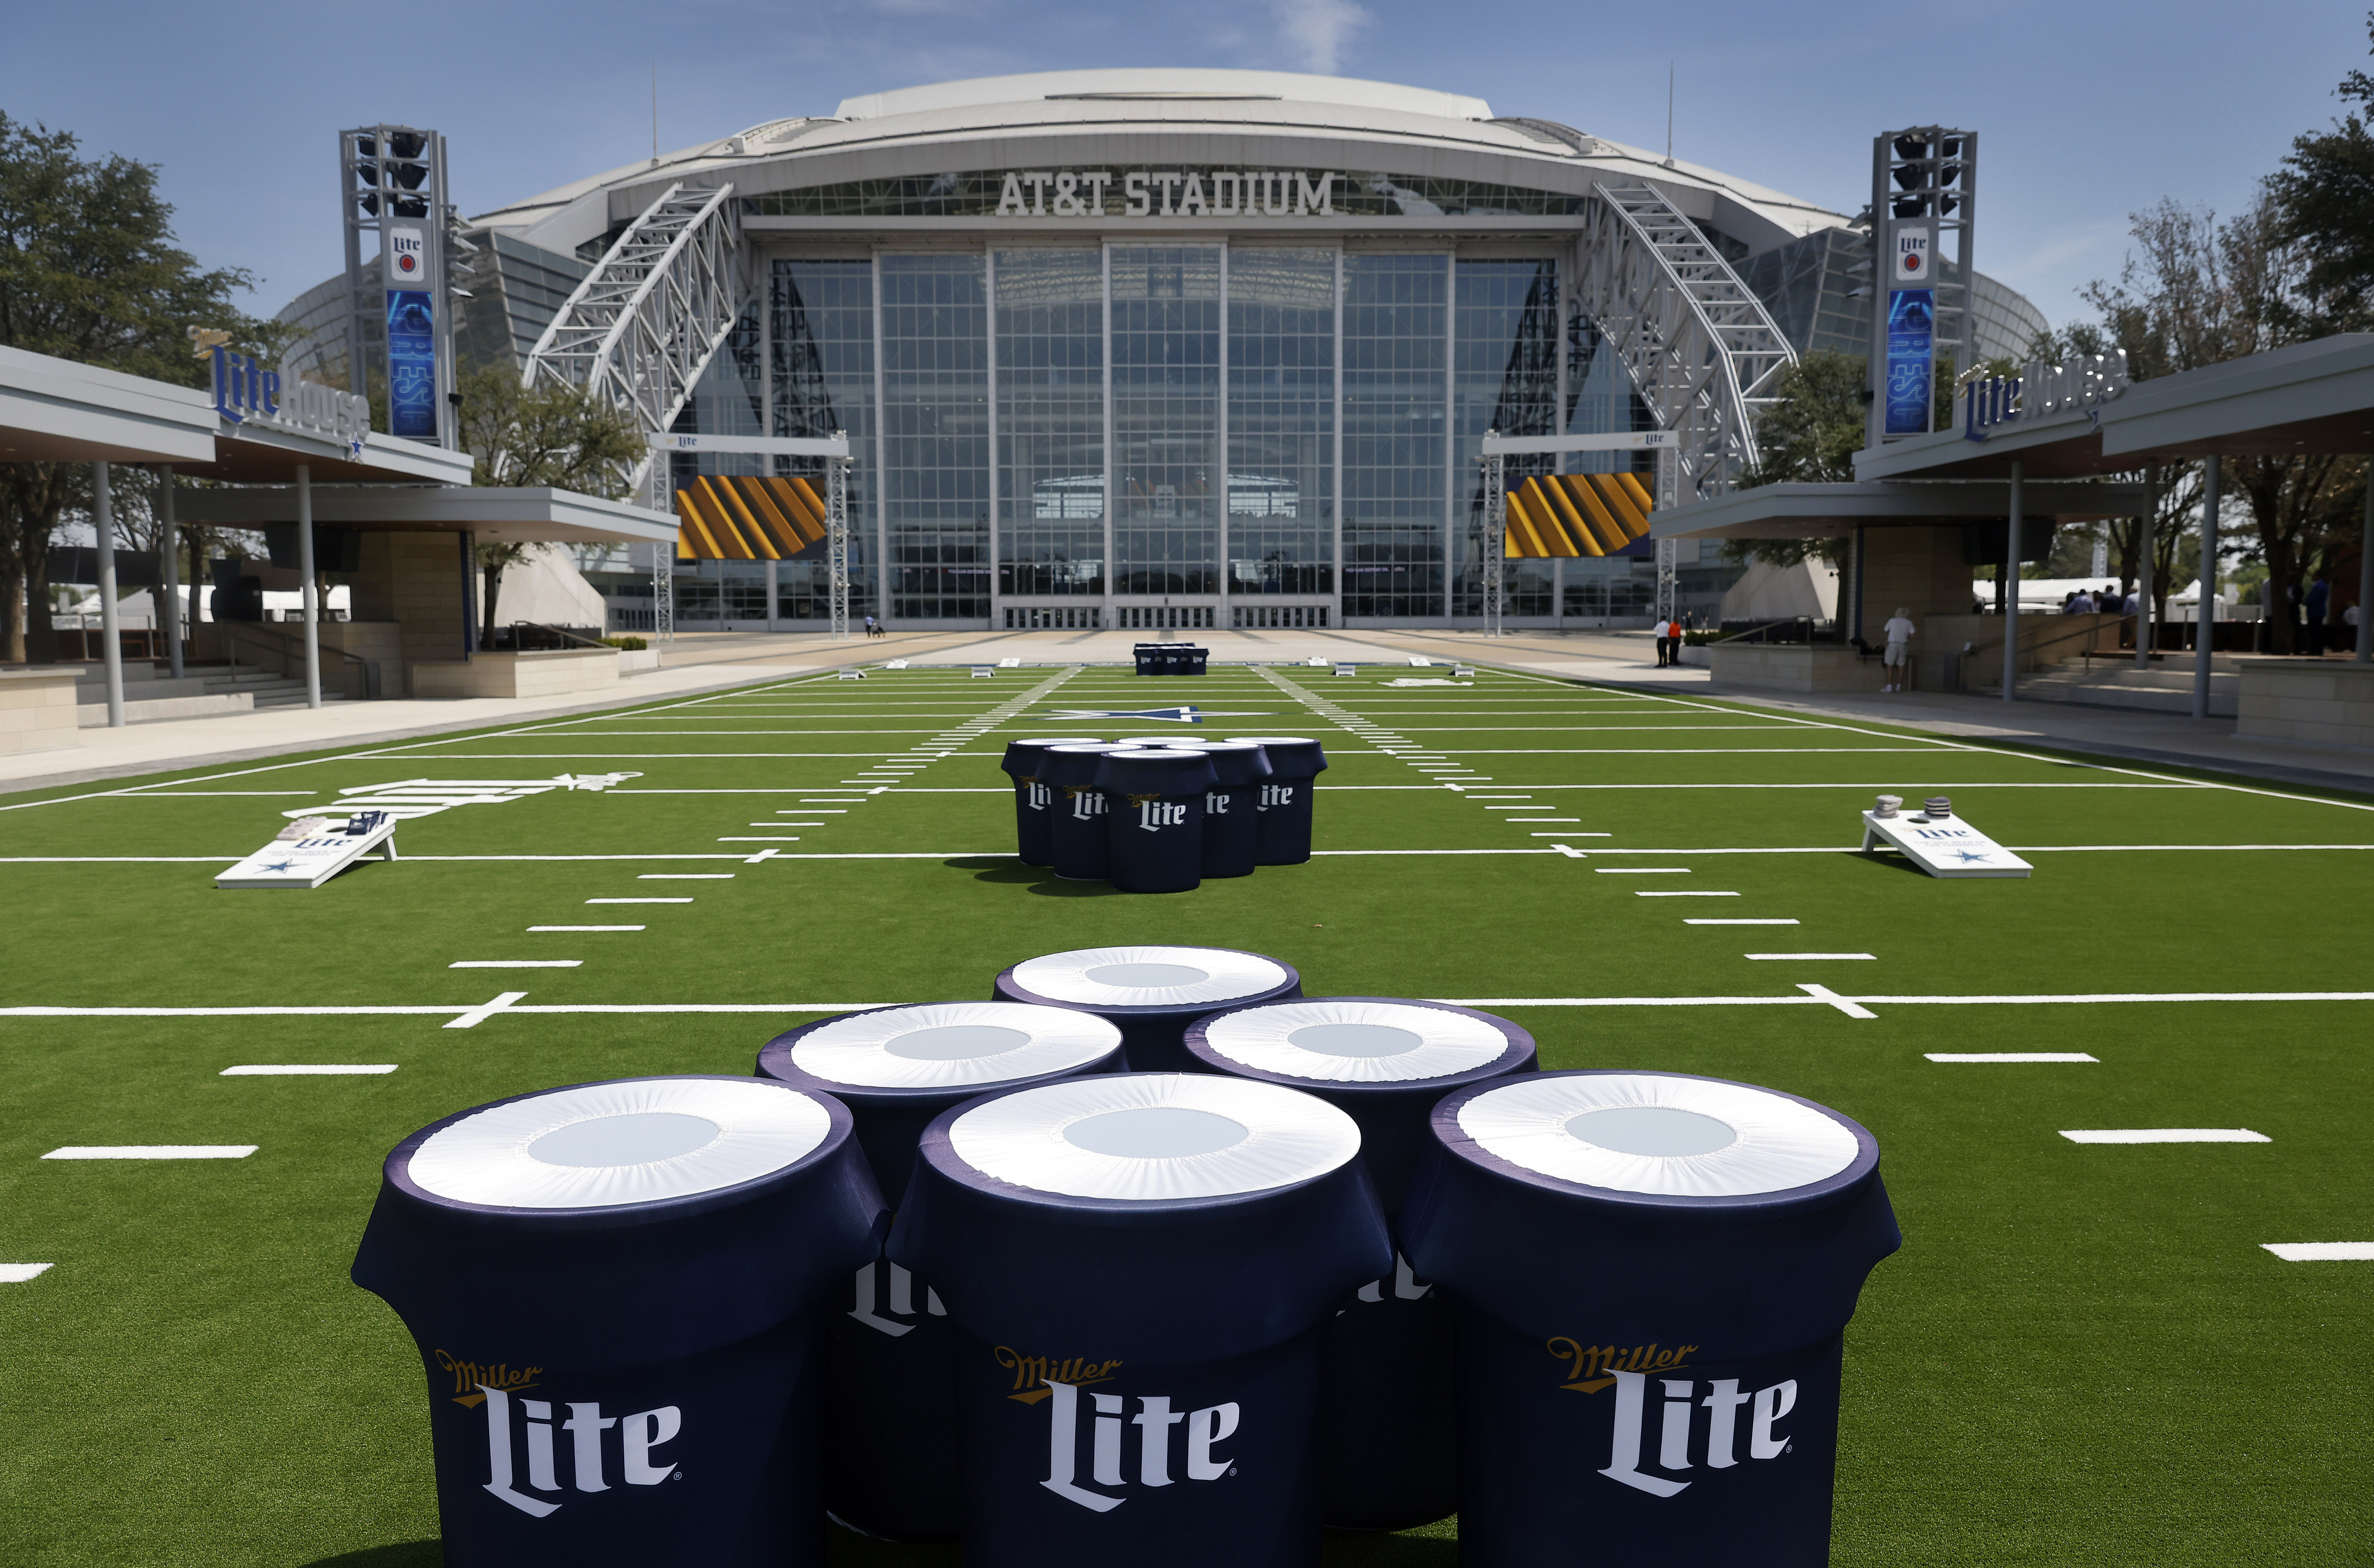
1036 796
408 258
587 1445
1680 1432
1274 795
882 1315
1155 813
1215 804
1088 801
1108 1418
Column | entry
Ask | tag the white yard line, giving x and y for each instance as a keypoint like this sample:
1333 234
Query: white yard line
1707 922
517 963
639 901
2009 1056
154 1151
22 1273
1815 957
311 1070
2166 1135
2290 1251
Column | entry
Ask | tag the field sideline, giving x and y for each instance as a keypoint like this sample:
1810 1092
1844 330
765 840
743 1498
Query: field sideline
2084 1354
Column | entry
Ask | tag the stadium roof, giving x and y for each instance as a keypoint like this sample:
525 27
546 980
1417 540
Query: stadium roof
1220 116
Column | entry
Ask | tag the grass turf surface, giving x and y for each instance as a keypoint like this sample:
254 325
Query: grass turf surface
2081 1355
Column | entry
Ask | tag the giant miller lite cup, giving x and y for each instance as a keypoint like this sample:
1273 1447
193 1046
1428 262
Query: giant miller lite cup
1154 808
891 1352
1034 799
1653 1274
1078 844
1284 798
1153 993
1137 1262
614 1290
1386 1448
1232 806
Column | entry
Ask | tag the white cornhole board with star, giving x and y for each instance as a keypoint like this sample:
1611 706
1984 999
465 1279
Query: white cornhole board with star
311 862
1943 846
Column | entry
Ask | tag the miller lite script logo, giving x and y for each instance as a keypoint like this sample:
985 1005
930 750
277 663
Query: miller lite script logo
1159 1439
408 258
1088 801
1680 1433
1274 795
1155 813
526 1448
881 1312
1912 256
245 390
1215 804
1036 796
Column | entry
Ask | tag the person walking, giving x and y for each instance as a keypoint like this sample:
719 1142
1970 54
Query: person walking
1660 631
1896 662
2320 601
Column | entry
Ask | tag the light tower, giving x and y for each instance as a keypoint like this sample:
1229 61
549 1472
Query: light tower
391 186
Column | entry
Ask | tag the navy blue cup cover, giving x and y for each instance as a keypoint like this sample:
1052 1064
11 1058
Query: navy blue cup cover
481 1236
1383 1060
1145 1218
1736 1218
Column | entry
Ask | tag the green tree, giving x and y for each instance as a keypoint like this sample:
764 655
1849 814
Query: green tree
550 436
1809 435
88 272
2325 200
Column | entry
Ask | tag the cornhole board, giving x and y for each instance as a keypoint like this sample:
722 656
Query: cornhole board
308 863
1945 847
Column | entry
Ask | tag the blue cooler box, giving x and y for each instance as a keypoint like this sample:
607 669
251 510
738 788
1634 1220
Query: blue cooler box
614 1287
1152 993
1283 835
1137 1262
890 1374
1155 812
1034 799
1386 1450
1079 845
1652 1273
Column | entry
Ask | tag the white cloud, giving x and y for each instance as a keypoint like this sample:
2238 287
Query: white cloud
1318 29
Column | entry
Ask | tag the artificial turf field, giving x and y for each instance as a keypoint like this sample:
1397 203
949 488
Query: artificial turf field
2083 1355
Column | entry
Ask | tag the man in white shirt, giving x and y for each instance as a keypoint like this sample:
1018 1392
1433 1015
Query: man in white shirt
1896 661
1662 631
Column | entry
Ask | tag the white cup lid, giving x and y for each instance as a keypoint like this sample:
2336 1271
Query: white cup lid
1652 1133
1150 976
952 1045
639 1141
1152 1136
1333 1041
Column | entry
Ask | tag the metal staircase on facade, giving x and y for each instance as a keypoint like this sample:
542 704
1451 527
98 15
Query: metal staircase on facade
652 314
1697 344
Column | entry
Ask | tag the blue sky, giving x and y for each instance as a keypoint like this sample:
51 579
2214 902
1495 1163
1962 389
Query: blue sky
2087 112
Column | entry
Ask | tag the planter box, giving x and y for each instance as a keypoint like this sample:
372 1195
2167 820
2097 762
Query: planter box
37 710
635 661
518 674
2318 702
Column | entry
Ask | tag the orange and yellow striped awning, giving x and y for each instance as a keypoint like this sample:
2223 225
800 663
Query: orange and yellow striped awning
1576 514
740 518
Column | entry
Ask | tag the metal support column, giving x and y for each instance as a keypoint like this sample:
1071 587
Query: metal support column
1496 535
169 547
663 595
1855 613
2366 575
2146 629
468 542
102 519
1668 566
2010 581
2212 482
836 513
311 596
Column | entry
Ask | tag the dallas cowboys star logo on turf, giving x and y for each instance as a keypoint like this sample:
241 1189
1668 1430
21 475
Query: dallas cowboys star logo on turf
1189 714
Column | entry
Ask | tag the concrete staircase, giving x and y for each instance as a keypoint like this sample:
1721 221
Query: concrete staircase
2165 688
148 694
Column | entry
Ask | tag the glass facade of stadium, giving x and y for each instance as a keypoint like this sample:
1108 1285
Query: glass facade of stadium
1214 434
1164 349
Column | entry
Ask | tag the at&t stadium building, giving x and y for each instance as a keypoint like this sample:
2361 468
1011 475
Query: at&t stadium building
1185 348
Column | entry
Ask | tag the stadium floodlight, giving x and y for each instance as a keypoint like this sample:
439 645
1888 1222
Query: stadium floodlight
1924 181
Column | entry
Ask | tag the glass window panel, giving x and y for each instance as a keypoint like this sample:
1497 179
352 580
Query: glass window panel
1050 421
935 435
823 382
1281 421
1166 389
1395 312
1505 378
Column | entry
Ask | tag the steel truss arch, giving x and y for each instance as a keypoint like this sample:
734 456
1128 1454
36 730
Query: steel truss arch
1697 344
647 321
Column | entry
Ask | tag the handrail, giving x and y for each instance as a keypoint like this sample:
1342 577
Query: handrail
368 668
2041 643
564 632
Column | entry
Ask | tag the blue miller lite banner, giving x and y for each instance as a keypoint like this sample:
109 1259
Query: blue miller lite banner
411 335
1911 331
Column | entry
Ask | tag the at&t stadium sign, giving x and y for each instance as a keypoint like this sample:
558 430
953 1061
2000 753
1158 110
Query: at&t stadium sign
1167 193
